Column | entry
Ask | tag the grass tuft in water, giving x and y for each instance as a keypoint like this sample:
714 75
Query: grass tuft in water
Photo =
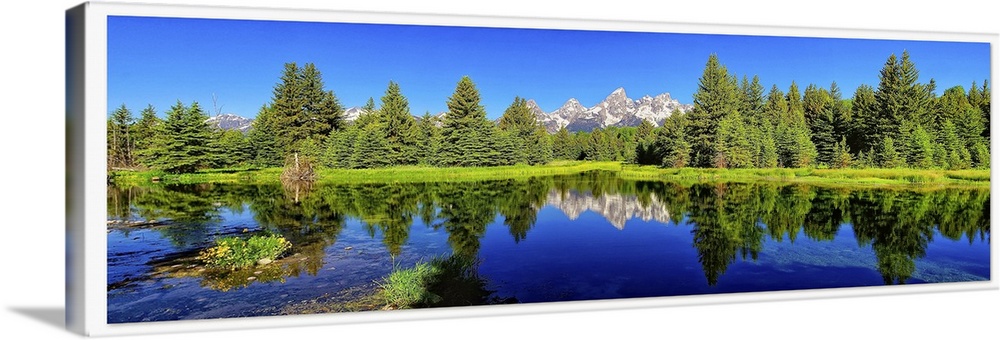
234 252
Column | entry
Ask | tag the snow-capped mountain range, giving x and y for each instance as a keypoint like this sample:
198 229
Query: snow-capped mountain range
229 121
617 109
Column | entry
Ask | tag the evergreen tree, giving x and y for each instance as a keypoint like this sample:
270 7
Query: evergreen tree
769 149
527 133
302 108
370 148
775 107
233 148
340 147
865 123
428 136
715 98
753 102
564 146
671 144
143 132
645 152
887 156
263 139
921 149
796 109
735 149
120 143
467 137
954 147
899 98
841 156
183 140
399 128
819 112
981 155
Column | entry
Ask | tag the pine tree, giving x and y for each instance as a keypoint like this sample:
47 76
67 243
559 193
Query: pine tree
921 149
120 143
899 98
954 147
428 135
715 98
144 132
467 137
340 147
887 156
399 127
841 156
981 155
233 148
644 150
671 145
527 133
263 139
370 148
183 140
819 113
865 126
769 149
564 146
984 107
735 149
775 107
302 108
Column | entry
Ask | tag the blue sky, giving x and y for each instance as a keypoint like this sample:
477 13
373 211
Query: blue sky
159 61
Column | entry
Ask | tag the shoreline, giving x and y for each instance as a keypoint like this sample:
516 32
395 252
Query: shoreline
871 177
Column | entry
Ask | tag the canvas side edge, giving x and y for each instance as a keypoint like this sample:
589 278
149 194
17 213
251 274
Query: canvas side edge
75 273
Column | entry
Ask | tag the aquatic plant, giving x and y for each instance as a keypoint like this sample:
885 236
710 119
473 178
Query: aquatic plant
234 252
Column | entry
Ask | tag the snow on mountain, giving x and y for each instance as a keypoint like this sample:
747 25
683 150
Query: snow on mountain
352 113
229 121
617 109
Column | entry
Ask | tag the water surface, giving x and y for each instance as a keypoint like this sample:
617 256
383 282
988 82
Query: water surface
560 238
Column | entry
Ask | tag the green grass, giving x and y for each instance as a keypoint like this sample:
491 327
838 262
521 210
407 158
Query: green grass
409 174
831 177
407 288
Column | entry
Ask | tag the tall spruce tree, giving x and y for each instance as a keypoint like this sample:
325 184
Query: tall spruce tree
143 132
401 142
818 107
527 132
183 140
428 138
865 122
263 138
715 98
467 137
671 143
120 141
302 107
564 145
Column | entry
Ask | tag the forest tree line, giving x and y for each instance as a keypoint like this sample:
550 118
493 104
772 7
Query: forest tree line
733 124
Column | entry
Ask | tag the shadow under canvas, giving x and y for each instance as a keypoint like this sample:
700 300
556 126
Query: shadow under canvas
53 316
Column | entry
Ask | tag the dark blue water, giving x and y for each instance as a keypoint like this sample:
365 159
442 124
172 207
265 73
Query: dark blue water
584 237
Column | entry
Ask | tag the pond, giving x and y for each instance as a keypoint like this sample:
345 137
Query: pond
560 238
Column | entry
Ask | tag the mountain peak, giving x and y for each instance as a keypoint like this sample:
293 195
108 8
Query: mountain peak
230 121
617 109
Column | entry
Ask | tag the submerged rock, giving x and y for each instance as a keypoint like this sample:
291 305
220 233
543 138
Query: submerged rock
264 261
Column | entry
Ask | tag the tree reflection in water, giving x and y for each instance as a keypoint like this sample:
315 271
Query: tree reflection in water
729 222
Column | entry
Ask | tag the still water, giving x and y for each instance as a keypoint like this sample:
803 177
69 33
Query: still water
562 238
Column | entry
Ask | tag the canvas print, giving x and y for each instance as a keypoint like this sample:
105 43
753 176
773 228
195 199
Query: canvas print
259 168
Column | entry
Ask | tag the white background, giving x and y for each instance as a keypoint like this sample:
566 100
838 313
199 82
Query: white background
32 237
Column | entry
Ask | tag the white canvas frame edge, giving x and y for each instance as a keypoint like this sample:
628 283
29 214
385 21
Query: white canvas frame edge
86 93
